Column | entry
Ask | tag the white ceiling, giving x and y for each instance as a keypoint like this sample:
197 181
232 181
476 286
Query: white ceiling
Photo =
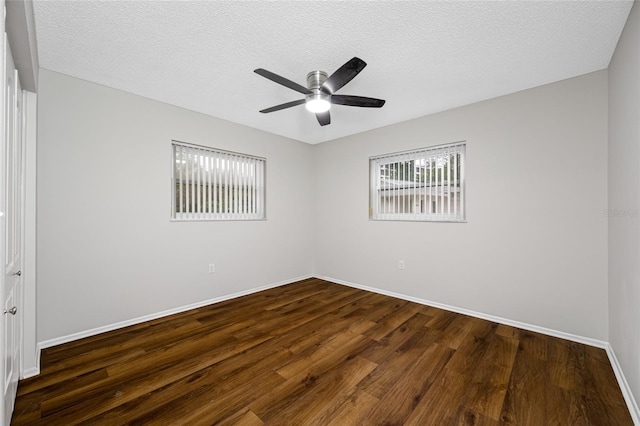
423 56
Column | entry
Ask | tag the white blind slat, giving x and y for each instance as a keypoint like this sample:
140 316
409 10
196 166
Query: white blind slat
193 183
455 184
217 199
250 203
448 183
187 177
210 193
396 203
403 182
437 182
236 187
197 185
462 181
180 163
227 186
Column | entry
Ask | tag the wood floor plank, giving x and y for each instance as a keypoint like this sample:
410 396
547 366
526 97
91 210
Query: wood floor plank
526 397
212 402
306 375
215 382
318 353
454 329
488 387
113 391
391 321
322 331
469 417
441 402
394 340
405 394
472 349
244 417
322 396
354 409
70 374
333 350
398 365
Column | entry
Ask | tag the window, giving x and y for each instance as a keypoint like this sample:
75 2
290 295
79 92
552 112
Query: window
211 184
421 185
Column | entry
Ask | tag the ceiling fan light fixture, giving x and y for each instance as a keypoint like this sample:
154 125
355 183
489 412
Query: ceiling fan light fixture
318 102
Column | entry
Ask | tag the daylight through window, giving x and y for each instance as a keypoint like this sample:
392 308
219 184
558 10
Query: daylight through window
211 184
420 185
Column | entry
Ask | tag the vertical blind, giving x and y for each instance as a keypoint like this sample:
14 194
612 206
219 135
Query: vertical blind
211 184
426 184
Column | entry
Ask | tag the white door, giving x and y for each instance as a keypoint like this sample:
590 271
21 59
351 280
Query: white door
11 203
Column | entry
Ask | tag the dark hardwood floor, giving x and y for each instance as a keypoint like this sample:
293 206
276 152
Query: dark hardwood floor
317 353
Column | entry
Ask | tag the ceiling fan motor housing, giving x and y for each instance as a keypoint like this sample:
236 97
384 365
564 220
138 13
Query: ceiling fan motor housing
315 79
318 101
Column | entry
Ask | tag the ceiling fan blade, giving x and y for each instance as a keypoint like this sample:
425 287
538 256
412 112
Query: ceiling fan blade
343 75
283 81
324 118
357 101
283 106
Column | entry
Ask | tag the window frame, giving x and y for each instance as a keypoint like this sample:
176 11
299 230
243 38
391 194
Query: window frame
402 158
204 216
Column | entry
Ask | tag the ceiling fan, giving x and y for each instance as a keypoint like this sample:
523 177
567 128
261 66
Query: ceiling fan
320 94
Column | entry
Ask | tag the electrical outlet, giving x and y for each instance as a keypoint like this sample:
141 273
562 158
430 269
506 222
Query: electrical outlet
401 264
212 268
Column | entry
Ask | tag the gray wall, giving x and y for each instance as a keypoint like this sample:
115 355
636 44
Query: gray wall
107 251
624 201
535 246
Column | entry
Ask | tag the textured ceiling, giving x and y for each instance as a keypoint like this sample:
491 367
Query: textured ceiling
422 56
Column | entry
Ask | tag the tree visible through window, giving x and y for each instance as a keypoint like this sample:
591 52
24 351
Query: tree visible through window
420 185
211 184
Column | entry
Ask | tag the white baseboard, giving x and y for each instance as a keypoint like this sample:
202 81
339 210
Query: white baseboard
92 332
31 372
624 385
